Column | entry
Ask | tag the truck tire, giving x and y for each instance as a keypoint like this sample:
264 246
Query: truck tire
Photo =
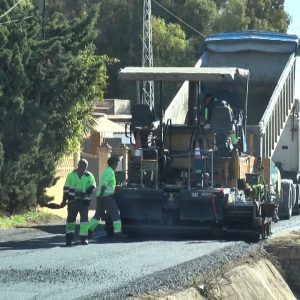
286 204
296 208
293 194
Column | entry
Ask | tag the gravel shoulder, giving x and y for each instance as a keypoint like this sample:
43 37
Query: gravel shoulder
183 276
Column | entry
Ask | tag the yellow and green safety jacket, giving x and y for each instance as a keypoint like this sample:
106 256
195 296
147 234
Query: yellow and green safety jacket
79 188
107 179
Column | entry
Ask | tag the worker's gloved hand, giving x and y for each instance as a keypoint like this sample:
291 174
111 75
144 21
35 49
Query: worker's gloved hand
63 203
90 190
207 126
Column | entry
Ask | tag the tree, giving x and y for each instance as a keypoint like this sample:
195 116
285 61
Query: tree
121 24
232 17
169 43
47 91
268 15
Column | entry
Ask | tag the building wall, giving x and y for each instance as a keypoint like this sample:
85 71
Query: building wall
66 165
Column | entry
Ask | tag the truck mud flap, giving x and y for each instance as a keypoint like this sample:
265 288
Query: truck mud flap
296 208
286 202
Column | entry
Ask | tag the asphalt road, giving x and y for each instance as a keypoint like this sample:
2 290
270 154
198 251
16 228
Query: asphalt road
35 264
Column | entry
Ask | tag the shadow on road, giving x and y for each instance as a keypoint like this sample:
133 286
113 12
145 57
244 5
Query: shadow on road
34 237
37 237
51 228
189 238
35 243
140 238
53 235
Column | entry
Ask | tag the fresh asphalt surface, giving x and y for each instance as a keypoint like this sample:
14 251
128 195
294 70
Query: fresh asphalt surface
35 264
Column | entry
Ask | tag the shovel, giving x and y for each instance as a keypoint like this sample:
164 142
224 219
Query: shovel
57 206
53 206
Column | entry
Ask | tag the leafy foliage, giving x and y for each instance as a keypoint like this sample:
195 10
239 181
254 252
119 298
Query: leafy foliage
232 17
169 38
174 43
48 88
268 15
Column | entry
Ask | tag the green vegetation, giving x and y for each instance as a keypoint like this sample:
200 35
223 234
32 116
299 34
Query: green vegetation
48 88
28 219
174 43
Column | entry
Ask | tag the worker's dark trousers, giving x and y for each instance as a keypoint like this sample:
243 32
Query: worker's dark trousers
73 210
105 206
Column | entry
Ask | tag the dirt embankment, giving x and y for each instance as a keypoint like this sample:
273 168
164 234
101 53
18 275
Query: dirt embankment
259 277
255 280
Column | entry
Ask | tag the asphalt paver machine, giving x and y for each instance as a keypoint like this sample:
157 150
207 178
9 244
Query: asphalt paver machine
190 177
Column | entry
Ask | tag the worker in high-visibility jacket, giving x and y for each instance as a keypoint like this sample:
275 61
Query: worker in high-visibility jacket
78 188
208 105
106 204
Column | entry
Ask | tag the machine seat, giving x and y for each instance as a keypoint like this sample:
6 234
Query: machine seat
222 120
142 118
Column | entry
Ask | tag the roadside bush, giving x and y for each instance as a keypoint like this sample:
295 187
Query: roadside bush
48 88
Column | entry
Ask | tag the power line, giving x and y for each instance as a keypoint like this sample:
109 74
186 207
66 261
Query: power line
179 19
14 21
10 9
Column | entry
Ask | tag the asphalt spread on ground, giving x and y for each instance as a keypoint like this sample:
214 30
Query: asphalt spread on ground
35 264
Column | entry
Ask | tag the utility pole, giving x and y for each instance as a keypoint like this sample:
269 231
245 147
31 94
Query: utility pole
148 86
42 9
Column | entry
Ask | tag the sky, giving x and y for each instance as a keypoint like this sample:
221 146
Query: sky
293 9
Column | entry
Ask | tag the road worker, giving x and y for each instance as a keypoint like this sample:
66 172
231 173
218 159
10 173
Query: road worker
208 105
79 186
106 204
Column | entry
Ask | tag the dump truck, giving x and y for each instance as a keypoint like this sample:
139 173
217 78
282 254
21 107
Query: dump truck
235 174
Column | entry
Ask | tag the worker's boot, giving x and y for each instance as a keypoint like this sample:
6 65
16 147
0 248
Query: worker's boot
84 240
69 239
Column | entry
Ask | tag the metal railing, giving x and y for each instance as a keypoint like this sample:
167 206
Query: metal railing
278 110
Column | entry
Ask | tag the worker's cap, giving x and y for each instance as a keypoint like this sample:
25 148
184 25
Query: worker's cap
113 159
83 162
